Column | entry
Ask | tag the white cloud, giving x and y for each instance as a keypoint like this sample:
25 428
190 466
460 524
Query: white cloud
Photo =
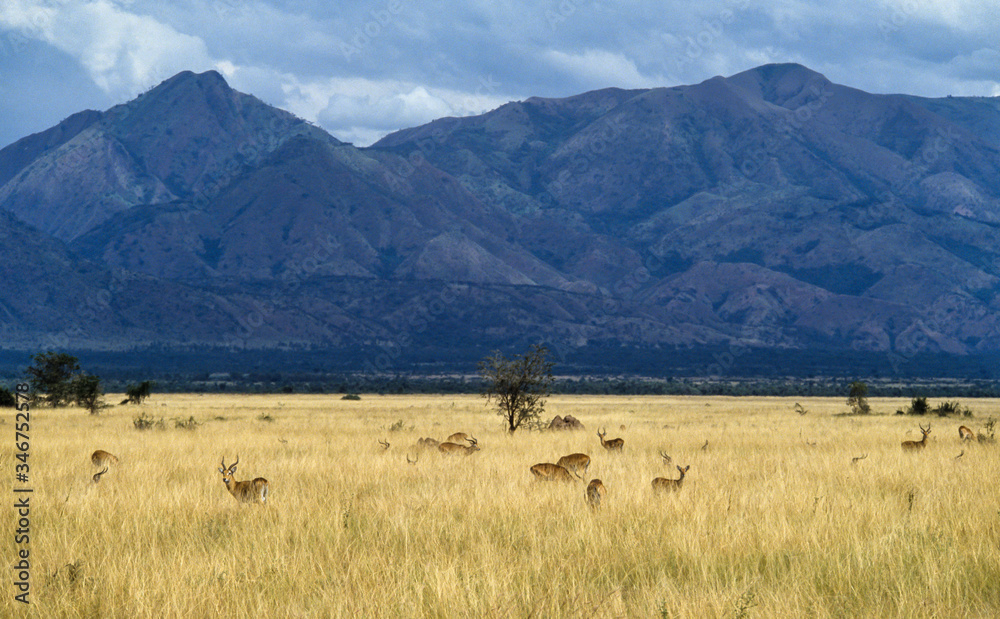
123 53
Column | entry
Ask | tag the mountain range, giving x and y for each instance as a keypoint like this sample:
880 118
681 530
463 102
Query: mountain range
771 211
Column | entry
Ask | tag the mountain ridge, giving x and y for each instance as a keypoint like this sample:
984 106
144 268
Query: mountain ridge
772 209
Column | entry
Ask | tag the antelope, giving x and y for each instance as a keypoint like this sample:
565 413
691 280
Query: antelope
414 460
243 491
666 458
965 433
546 471
595 493
575 463
457 437
97 476
614 444
384 444
921 443
662 483
102 458
454 448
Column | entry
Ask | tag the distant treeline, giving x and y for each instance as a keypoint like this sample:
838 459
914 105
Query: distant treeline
590 371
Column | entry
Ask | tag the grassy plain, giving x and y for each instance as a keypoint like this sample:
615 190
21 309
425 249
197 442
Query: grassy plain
775 518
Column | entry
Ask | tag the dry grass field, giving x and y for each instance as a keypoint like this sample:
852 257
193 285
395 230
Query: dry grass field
775 517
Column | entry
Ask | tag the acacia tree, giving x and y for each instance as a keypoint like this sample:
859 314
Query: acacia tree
51 377
517 386
857 399
87 392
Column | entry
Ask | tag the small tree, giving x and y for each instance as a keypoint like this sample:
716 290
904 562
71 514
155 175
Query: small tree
135 394
87 392
857 399
51 377
517 386
7 398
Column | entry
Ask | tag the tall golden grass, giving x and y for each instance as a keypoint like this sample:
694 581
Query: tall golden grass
776 518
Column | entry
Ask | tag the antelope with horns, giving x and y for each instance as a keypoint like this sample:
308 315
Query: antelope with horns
614 444
254 491
546 471
664 484
452 449
922 442
575 463
103 458
97 476
595 493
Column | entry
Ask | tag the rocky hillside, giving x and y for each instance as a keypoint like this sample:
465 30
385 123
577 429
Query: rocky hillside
770 210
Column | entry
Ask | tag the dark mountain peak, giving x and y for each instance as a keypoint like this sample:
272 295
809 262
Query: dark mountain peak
780 84
189 79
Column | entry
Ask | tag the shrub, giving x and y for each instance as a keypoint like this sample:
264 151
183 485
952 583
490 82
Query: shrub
147 422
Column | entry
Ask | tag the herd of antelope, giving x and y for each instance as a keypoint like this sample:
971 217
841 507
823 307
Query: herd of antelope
570 468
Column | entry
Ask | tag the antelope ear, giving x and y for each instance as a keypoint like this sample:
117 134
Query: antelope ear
223 471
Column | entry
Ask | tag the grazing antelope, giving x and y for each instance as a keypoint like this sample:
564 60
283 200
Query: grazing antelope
243 491
965 433
454 448
614 444
384 444
595 493
575 463
102 458
662 483
457 437
921 443
546 471
97 476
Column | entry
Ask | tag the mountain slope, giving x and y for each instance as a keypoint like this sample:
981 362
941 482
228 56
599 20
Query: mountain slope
772 209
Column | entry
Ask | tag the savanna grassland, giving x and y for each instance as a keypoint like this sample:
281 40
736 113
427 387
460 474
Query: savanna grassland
776 518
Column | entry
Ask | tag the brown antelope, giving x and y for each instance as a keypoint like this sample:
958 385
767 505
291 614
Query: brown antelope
595 493
243 491
614 444
457 437
965 433
546 471
662 483
575 463
97 476
454 448
102 458
922 442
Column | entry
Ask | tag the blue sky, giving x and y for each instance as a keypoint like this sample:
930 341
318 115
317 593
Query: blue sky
364 69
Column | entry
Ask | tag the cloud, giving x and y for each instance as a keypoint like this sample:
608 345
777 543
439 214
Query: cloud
364 69
599 69
123 53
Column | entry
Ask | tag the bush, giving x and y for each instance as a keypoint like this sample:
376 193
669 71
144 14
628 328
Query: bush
186 424
148 422
7 398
